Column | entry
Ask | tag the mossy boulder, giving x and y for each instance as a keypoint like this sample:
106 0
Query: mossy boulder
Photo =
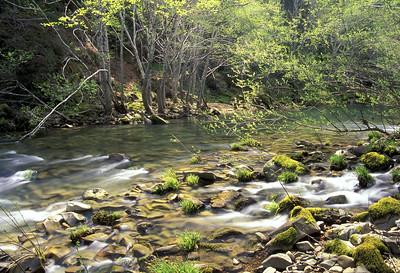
361 216
368 254
327 215
289 202
376 162
283 241
338 247
300 212
385 212
282 163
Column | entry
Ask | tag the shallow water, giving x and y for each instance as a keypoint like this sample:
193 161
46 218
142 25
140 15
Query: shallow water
69 161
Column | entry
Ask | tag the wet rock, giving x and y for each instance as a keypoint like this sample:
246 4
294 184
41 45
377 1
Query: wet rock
101 267
57 252
319 167
100 237
337 199
270 171
278 261
97 194
26 263
224 199
144 227
262 237
72 218
116 157
141 251
53 224
243 202
346 261
304 246
224 233
349 270
318 184
392 243
167 250
359 150
75 206
327 264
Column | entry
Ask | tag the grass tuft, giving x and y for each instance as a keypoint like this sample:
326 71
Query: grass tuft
192 180
244 175
338 162
272 207
365 179
106 218
79 232
163 266
195 159
188 241
189 207
288 177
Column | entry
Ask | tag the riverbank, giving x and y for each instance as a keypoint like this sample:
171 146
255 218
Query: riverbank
230 225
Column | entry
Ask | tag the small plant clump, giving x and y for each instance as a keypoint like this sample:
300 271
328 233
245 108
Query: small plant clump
237 147
338 247
106 218
287 163
192 180
170 183
365 179
79 232
244 175
396 175
374 136
375 161
288 177
250 142
189 207
338 162
384 207
163 266
195 159
272 207
376 242
189 241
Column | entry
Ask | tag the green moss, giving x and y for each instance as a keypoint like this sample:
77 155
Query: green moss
361 217
386 146
365 179
354 239
79 232
244 175
374 240
162 266
238 147
195 159
285 238
375 161
106 218
188 241
368 255
338 247
396 175
192 180
288 177
287 163
289 202
272 207
384 207
300 212
338 162
250 142
189 207
374 136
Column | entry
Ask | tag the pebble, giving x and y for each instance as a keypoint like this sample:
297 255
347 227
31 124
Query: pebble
304 246
336 269
327 264
269 270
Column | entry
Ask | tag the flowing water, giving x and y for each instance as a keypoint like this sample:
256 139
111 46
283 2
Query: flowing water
41 174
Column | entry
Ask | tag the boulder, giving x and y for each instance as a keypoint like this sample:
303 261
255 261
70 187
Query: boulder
345 261
72 218
278 261
224 199
304 246
53 224
337 199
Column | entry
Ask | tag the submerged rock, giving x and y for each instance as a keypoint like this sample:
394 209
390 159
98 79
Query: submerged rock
278 261
97 194
75 206
337 199
72 218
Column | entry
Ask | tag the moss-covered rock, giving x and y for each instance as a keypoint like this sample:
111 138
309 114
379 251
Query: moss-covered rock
338 247
338 162
288 177
375 161
106 218
289 202
395 175
287 163
374 240
385 207
300 212
284 240
368 255
361 217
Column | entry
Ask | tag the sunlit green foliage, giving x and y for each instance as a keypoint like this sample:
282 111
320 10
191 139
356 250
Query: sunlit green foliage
106 218
244 175
189 241
162 266
189 207
338 162
192 180
288 177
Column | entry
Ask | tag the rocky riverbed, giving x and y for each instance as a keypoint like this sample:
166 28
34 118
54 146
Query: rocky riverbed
319 208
